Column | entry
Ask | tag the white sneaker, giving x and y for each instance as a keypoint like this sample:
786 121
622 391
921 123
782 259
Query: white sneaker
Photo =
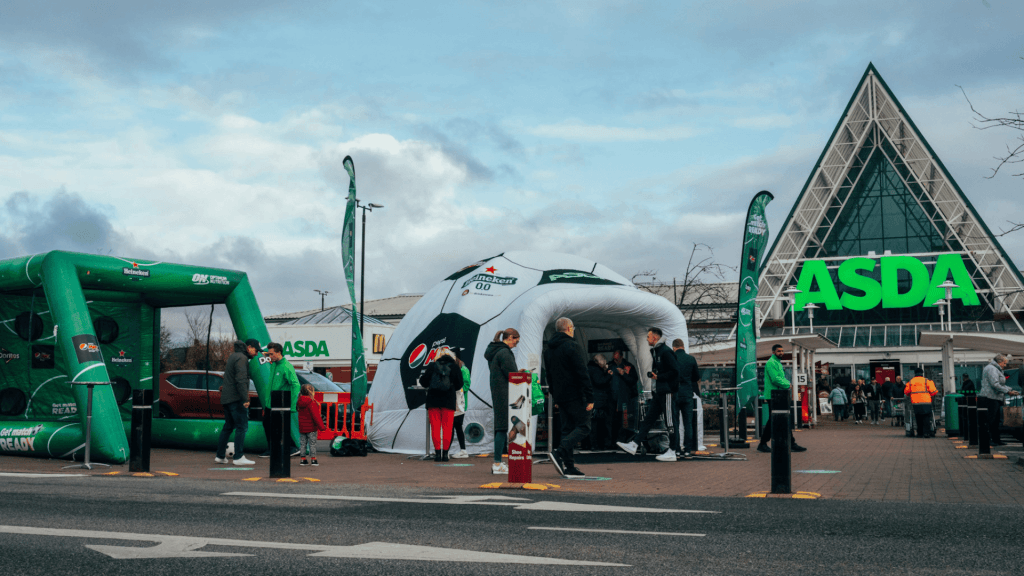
220 460
460 455
499 468
243 461
668 456
630 447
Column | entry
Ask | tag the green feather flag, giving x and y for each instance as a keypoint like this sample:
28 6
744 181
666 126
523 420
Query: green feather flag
348 258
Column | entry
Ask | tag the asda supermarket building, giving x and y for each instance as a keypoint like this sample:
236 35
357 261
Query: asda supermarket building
877 231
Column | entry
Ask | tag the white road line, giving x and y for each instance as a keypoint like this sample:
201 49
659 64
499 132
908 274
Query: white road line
517 503
615 531
186 547
34 475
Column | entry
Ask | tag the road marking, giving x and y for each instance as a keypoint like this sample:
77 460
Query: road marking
187 547
34 475
615 531
517 503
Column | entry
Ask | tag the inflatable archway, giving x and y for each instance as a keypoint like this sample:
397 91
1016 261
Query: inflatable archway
68 317
527 291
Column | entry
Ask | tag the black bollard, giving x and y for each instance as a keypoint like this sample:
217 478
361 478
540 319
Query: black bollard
142 430
741 431
984 442
280 433
782 482
972 420
723 417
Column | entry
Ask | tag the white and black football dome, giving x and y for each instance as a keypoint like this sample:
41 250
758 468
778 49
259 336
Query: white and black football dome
527 291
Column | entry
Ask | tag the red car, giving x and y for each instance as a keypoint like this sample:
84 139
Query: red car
185 394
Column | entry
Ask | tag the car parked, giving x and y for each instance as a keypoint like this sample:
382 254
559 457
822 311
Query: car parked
195 394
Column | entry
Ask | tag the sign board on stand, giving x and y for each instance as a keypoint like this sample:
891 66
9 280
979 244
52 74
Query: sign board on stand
520 453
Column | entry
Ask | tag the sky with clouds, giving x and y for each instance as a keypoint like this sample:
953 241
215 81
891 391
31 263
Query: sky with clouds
213 133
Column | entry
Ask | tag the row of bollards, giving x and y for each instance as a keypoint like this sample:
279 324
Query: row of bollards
974 424
279 421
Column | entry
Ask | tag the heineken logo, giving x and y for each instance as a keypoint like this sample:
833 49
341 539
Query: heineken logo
479 279
135 273
864 289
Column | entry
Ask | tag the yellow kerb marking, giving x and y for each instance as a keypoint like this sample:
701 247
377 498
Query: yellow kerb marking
167 473
114 473
530 486
758 495
554 485
804 497
144 474
310 479
250 479
492 485
286 480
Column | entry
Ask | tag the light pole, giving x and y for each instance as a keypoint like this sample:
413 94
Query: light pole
322 294
949 285
362 264
791 293
810 307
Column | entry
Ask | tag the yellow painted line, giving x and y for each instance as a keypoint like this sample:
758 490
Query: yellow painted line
999 456
758 495
286 480
804 497
114 473
250 479
961 447
531 486
811 493
971 457
310 479
492 485
554 485
167 473
143 474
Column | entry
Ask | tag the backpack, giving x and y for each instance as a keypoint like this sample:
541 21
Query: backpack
441 379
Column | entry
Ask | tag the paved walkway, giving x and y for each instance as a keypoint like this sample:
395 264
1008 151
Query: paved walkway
843 462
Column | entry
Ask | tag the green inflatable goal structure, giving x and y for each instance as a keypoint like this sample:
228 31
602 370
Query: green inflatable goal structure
68 317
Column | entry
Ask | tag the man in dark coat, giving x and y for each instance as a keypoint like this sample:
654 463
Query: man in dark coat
665 373
501 362
566 366
689 380
234 396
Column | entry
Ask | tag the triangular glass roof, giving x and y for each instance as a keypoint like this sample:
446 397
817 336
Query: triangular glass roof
879 187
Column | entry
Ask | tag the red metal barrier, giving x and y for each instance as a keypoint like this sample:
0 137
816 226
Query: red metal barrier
335 408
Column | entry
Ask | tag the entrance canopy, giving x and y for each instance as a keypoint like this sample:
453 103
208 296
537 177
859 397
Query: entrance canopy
725 352
993 342
527 291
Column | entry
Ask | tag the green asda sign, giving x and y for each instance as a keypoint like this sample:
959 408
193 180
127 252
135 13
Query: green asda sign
305 349
854 274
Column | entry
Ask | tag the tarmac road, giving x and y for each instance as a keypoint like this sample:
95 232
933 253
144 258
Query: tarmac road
180 526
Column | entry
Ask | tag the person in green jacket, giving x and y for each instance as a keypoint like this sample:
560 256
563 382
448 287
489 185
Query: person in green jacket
775 379
282 377
461 404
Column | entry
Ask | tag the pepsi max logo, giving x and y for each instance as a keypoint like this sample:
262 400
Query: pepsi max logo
417 356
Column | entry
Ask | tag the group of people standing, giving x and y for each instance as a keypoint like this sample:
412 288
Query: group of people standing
872 401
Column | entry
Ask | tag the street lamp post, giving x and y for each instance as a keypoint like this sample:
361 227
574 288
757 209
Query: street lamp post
322 294
810 307
791 293
949 285
362 265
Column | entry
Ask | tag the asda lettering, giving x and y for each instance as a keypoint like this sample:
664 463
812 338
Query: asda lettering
854 274
305 349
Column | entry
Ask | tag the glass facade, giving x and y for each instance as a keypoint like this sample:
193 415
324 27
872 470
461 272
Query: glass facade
876 212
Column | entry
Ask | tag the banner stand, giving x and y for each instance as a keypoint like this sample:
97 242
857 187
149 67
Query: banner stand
520 453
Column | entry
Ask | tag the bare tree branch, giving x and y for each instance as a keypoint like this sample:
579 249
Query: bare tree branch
1014 120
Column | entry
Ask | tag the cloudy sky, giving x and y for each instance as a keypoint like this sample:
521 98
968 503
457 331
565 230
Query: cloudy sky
212 133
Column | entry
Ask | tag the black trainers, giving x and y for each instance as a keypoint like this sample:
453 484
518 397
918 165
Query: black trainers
574 472
265 454
764 448
797 448
296 452
556 461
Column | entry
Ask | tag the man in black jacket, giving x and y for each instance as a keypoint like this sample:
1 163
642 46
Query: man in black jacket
665 373
234 396
566 369
689 380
